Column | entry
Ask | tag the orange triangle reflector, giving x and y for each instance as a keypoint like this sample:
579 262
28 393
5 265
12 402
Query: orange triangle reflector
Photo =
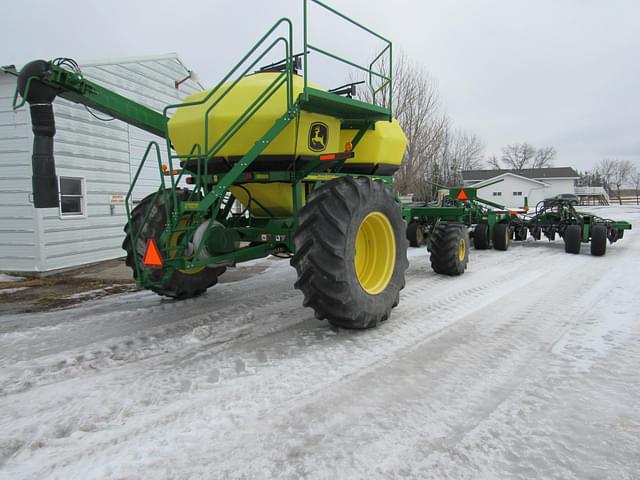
152 257
462 196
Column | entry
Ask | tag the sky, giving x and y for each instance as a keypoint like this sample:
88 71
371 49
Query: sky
561 73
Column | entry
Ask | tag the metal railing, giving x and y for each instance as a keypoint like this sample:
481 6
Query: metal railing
593 191
284 78
386 79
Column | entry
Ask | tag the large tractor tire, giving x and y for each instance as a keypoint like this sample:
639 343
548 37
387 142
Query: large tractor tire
481 237
351 252
598 240
501 236
449 249
415 234
180 284
572 238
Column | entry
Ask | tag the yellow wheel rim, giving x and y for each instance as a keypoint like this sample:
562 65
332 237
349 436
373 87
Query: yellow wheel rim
174 241
462 249
375 256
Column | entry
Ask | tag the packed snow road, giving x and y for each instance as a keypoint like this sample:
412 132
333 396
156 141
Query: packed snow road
524 367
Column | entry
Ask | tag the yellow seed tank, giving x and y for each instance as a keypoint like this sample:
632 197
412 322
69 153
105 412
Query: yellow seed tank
381 148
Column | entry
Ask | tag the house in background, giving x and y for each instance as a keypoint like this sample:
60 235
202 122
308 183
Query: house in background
95 162
535 184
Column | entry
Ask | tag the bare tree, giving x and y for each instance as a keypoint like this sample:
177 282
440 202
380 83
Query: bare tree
464 152
544 157
635 179
518 156
605 170
435 151
621 173
494 162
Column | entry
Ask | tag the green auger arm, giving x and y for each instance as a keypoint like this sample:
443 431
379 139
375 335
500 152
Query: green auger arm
39 83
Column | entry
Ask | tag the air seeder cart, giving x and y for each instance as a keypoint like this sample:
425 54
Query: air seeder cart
311 169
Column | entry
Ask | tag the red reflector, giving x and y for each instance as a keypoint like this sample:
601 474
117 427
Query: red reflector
331 156
462 196
152 257
247 175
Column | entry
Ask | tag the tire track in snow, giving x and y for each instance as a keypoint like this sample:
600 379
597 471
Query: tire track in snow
169 336
283 347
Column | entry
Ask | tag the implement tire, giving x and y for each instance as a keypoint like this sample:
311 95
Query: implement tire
598 240
415 235
181 284
481 237
572 238
520 234
501 236
351 252
449 249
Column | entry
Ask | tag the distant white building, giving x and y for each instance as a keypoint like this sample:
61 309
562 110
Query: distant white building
95 162
535 184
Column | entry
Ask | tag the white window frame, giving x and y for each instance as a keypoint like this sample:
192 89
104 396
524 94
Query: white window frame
83 198
497 194
517 194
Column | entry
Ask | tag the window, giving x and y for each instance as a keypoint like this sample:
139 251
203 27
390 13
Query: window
497 194
517 194
72 201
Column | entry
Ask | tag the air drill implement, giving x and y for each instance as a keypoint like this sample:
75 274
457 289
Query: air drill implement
310 168
491 224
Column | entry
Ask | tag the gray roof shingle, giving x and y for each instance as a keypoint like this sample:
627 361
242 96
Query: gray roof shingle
535 173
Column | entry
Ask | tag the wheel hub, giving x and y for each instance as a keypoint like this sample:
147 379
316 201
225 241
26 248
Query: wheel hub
375 255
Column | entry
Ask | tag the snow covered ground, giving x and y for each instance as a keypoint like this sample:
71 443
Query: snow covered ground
527 366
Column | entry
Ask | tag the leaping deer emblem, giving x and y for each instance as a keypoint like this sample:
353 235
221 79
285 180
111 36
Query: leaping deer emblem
318 137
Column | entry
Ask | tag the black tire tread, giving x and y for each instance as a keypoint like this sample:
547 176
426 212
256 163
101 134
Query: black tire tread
572 239
322 257
598 240
501 236
414 234
481 237
444 249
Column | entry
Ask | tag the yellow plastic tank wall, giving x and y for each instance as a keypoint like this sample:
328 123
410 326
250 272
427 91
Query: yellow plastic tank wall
272 198
186 127
385 144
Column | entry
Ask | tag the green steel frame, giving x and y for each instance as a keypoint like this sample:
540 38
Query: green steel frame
471 211
210 197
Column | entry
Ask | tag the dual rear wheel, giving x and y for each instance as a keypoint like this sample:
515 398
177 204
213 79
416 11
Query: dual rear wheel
573 239
501 238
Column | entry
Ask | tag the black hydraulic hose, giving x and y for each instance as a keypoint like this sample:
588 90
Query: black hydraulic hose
40 97
44 179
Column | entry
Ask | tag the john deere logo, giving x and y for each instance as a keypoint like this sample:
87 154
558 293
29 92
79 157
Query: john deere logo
318 136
